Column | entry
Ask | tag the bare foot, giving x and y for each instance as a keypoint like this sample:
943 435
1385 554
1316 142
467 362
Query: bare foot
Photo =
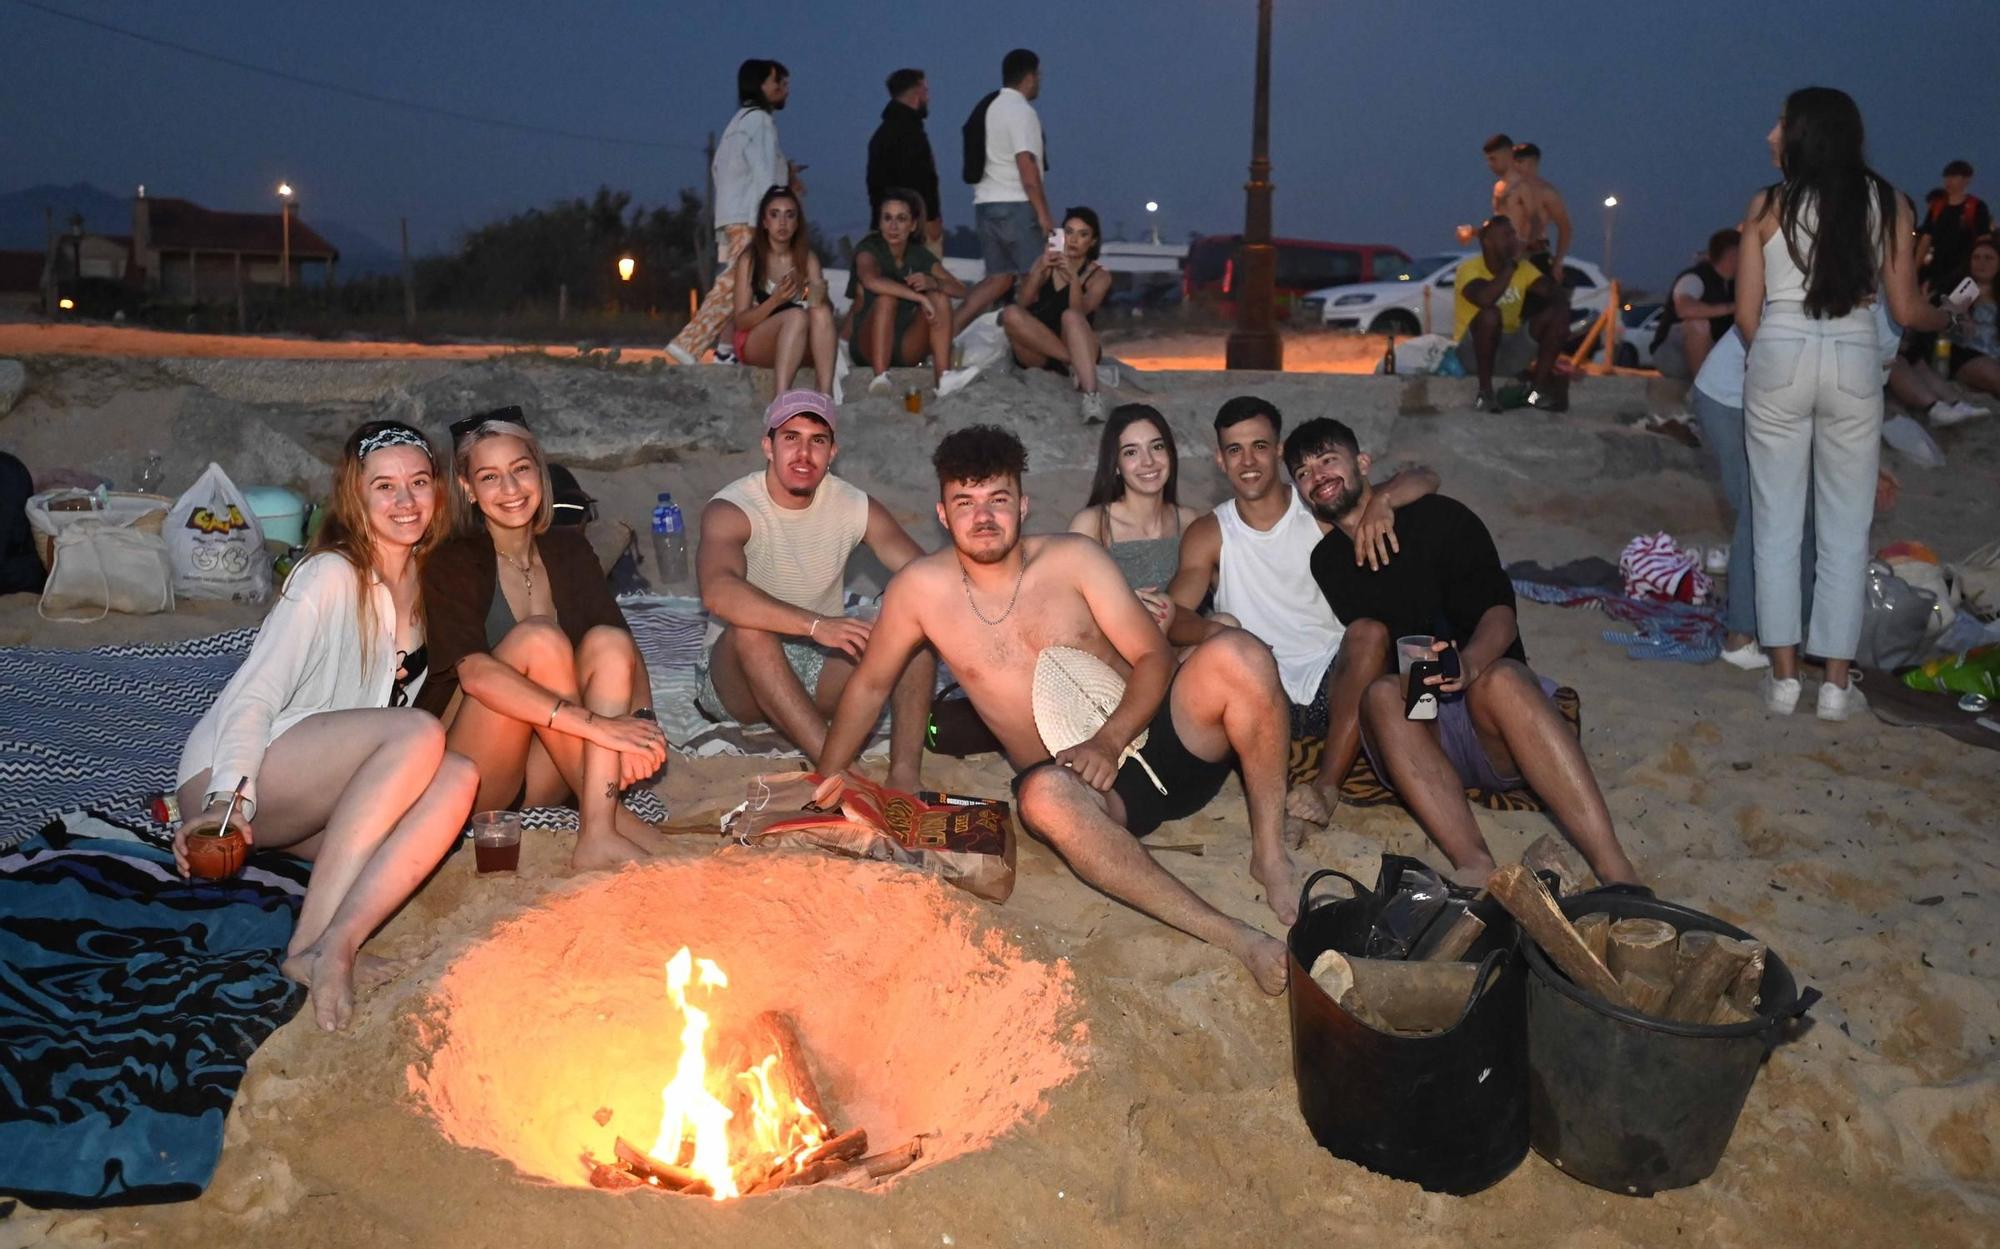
1298 832
908 784
1264 957
596 854
646 836
372 971
1472 876
1306 802
1280 878
331 979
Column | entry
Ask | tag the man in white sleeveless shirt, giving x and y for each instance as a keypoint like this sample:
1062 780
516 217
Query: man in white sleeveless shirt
1255 553
771 565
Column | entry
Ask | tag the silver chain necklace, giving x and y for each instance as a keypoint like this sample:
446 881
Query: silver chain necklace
525 568
1011 600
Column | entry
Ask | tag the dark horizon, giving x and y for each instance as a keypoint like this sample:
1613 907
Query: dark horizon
1141 101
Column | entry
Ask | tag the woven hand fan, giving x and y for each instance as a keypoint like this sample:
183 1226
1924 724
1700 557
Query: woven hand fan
1074 694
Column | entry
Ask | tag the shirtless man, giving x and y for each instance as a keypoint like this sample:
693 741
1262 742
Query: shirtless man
1533 205
1499 152
773 554
990 603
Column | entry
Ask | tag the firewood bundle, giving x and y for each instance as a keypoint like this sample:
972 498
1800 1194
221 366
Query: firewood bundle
1695 976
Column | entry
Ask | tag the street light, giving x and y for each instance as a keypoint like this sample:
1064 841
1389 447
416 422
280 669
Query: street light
1610 212
1153 222
625 266
285 229
1254 343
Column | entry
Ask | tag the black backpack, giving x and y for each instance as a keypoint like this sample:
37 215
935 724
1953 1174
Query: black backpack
974 134
568 502
20 565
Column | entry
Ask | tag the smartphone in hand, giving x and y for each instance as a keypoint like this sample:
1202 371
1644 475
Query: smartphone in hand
1420 699
1962 296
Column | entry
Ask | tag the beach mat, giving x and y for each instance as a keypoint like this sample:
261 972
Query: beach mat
130 1002
1897 704
1365 788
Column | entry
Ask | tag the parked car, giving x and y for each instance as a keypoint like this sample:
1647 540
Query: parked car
1635 335
1304 266
1418 297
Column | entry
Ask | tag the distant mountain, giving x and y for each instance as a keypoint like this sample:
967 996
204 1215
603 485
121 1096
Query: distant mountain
24 227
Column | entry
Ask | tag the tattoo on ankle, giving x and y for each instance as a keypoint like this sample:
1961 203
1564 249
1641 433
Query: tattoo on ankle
611 790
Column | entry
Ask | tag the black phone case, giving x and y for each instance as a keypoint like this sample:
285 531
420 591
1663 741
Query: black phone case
1420 701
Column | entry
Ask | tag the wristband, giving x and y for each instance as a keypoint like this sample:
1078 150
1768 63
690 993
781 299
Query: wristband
555 711
813 632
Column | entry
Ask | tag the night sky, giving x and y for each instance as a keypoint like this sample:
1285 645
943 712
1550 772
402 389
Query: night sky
1379 110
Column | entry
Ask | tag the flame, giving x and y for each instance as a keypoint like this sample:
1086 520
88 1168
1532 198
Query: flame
698 1129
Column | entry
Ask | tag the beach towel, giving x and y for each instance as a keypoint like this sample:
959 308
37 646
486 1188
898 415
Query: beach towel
102 730
1661 628
130 1002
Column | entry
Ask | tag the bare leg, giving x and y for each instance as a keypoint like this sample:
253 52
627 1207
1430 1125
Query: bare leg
758 686
820 330
791 349
983 295
878 333
608 668
1031 340
1485 330
1696 343
1981 374
1550 326
1423 777
909 717
1524 735
938 329
1364 655
1080 341
371 797
1075 820
1227 698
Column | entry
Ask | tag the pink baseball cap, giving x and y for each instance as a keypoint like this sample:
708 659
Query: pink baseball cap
799 403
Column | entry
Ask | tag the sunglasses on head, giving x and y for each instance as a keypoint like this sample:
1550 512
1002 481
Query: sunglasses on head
511 414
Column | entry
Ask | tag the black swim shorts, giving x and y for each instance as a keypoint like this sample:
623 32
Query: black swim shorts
1192 782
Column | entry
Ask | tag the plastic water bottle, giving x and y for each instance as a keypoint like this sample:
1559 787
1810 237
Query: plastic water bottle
670 557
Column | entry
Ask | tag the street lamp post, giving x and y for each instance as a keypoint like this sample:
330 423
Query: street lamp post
1610 213
285 232
1153 221
625 266
1254 343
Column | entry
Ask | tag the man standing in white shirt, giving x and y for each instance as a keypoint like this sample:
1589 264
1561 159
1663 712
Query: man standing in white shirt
1010 207
748 162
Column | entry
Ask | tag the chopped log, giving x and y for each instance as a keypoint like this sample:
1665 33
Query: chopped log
875 1167
1414 997
614 1177
1553 853
1689 948
1595 929
1713 971
1354 1004
1644 947
1649 996
1331 973
825 1161
777 1035
1537 913
1195 848
1748 990
654 1171
1727 1011
1456 940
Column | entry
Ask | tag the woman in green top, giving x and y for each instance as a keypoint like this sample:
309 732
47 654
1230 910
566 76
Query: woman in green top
899 277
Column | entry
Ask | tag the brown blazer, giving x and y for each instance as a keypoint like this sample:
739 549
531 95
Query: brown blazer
460 579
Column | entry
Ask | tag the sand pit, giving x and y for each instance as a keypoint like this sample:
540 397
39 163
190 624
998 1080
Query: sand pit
959 1055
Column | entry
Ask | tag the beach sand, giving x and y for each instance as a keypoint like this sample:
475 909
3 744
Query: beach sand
1862 853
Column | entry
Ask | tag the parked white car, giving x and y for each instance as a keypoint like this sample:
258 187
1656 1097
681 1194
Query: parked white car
1419 299
1635 340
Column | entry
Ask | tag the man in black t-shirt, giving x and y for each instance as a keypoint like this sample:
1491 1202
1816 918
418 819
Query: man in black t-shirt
1953 218
1446 581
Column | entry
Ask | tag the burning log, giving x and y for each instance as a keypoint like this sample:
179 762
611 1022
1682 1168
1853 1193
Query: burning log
653 1171
776 1033
874 1167
823 1161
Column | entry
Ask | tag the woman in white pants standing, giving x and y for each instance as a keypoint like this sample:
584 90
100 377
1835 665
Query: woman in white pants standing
1821 245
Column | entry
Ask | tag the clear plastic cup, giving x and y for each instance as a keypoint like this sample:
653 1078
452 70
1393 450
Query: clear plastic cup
496 841
1411 648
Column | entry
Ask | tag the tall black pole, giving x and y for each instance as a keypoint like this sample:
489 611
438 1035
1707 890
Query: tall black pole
1254 343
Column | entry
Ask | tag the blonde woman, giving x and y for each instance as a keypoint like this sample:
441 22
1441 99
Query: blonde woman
316 727
534 673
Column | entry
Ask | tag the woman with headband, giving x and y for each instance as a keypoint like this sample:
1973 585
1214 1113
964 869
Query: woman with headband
316 730
534 673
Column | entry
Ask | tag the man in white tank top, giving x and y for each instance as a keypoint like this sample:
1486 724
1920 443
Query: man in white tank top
1255 553
772 565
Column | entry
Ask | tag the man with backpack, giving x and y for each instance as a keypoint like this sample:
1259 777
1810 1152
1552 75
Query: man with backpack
1004 162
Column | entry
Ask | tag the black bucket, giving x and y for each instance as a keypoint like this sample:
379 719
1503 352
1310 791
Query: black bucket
1630 1103
1447 1111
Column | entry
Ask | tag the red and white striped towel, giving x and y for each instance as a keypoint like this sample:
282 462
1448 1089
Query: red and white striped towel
1655 566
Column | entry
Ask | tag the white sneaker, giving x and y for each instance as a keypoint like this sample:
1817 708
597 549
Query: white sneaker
725 354
1716 562
1836 703
840 368
1748 657
878 384
1093 408
1945 415
679 353
1781 698
1107 374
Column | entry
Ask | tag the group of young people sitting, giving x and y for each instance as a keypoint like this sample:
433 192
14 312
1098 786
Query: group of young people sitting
906 307
1305 587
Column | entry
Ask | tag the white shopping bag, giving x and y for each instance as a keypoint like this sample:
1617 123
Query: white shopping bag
216 544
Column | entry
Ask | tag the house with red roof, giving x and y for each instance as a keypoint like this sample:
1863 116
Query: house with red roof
192 254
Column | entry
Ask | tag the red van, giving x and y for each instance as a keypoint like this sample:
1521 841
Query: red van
1304 266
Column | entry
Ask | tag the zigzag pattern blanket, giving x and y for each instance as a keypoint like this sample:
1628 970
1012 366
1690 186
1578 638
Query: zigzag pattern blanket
130 1002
